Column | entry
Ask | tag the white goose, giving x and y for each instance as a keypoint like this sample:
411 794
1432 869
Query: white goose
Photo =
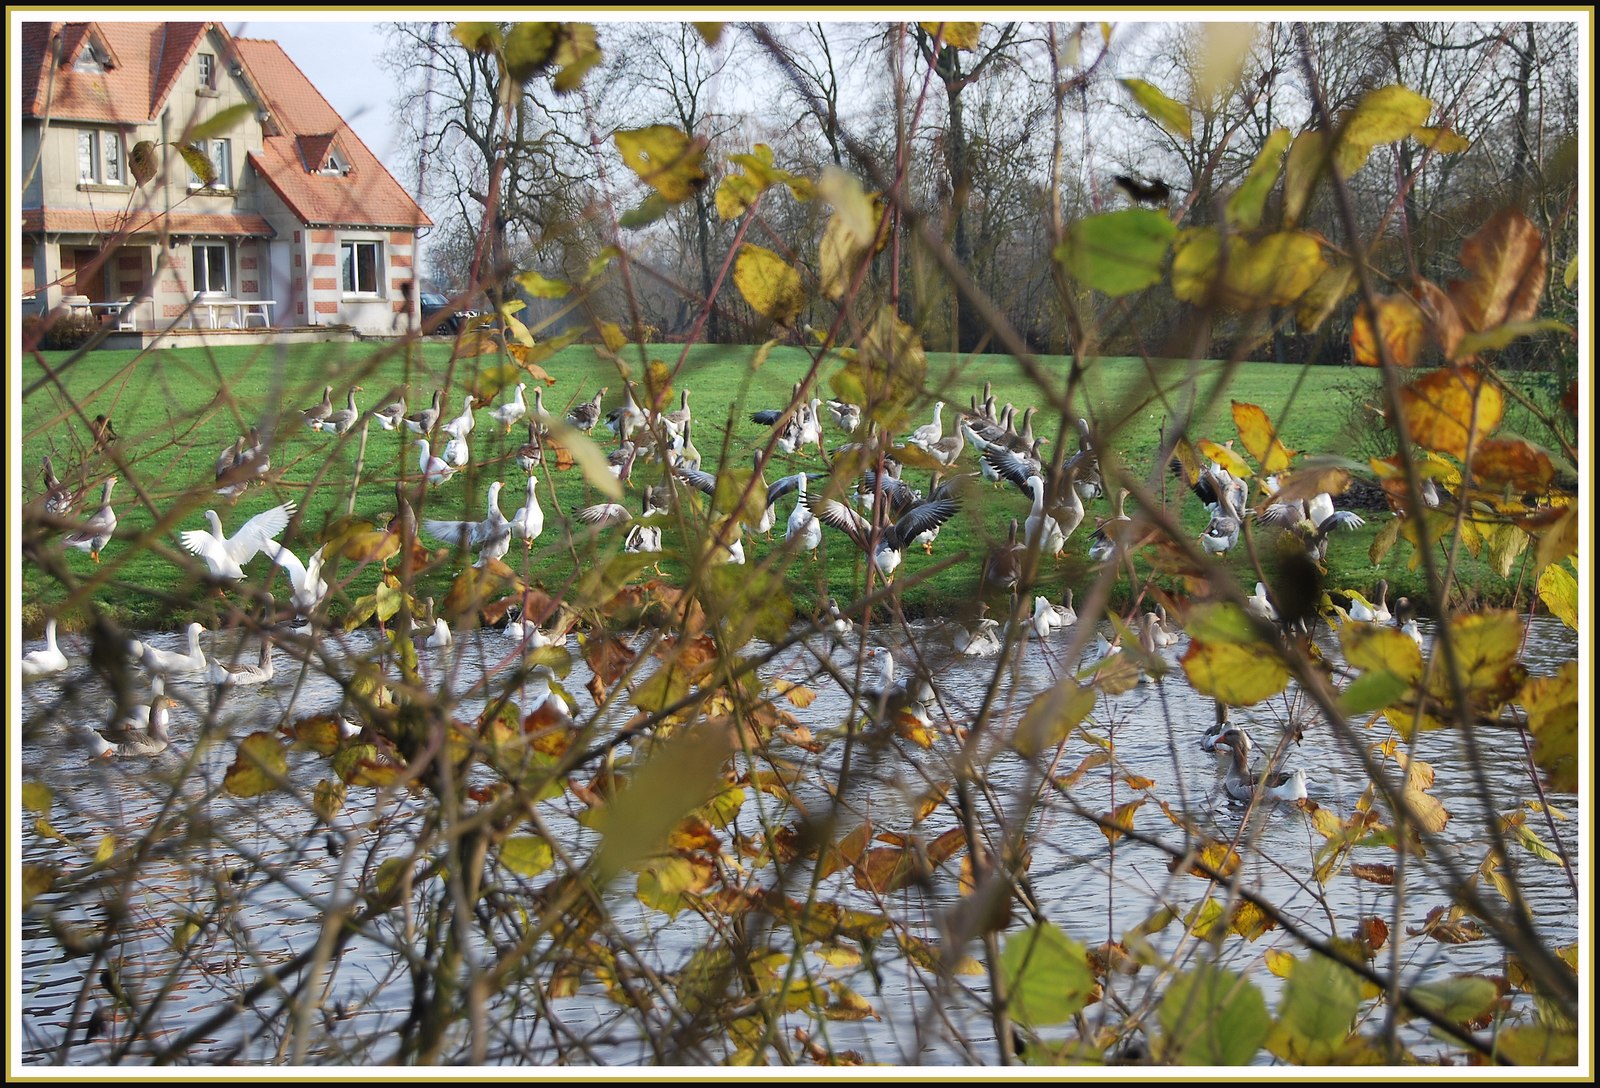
167 662
38 664
983 640
803 531
462 425
305 579
507 414
894 539
434 469
528 522
226 556
457 453
929 433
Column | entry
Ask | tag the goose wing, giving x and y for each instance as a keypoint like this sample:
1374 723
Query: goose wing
604 514
695 478
837 514
918 520
1011 466
254 535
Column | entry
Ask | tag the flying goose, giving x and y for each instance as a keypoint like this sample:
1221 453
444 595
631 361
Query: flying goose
305 579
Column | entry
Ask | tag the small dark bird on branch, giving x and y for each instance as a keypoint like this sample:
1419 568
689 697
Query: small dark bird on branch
1143 192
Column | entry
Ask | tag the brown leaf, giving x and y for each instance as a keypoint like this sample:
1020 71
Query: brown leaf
1515 462
609 657
1372 934
1440 311
1506 263
1375 873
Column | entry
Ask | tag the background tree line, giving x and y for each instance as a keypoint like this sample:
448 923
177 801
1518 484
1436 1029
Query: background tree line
1002 143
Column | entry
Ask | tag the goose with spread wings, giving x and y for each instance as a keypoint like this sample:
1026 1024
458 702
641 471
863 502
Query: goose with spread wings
225 556
490 538
889 547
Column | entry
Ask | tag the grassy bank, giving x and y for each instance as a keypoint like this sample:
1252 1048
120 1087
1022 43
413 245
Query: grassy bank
177 409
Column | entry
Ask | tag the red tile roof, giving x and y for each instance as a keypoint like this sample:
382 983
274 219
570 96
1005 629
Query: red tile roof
79 221
145 61
368 195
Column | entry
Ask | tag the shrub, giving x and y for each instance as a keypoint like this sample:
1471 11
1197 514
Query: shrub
67 332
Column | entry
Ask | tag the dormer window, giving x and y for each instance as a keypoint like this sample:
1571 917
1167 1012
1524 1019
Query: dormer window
89 60
208 70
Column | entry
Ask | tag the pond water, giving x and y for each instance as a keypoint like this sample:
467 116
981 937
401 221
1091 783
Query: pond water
271 880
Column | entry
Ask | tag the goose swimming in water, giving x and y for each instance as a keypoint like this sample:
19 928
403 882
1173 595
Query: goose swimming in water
1241 782
50 661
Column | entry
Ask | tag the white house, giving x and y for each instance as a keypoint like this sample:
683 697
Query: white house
202 179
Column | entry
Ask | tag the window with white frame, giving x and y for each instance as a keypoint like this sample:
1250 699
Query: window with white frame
208 69
210 268
220 152
100 158
362 263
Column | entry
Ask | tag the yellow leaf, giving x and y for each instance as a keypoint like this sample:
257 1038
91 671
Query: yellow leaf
1239 674
1308 158
589 457
1051 717
1514 462
1441 139
768 284
710 32
1446 409
1170 115
36 796
258 766
1245 206
1273 271
1225 457
1551 703
1384 116
106 849
1260 438
1400 326
1371 647
539 286
1119 819
1323 297
1558 589
36 881
665 158
1505 262
1486 646
1279 962
955 35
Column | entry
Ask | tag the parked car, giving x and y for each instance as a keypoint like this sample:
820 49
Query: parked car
434 304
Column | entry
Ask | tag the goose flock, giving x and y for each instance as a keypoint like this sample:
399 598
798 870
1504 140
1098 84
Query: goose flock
876 509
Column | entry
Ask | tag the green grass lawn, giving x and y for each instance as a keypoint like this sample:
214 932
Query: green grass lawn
175 410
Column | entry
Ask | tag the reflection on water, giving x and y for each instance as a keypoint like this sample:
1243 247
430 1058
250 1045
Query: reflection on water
228 891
